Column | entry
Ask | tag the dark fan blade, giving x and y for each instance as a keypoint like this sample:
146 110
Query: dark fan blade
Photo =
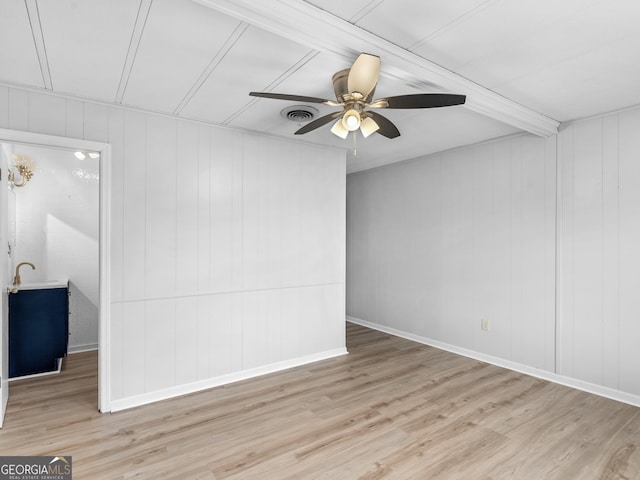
387 129
318 122
422 100
284 96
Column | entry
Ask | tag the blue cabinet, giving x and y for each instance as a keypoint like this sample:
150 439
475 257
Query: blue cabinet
38 330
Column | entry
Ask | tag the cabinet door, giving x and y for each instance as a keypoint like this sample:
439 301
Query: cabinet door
38 330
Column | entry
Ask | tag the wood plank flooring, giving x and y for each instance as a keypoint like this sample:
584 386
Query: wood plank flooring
391 409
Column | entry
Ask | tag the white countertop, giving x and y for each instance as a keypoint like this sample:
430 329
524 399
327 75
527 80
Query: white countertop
41 285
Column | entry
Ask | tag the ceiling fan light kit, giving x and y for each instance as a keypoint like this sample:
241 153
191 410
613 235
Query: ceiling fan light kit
368 126
339 129
351 120
354 88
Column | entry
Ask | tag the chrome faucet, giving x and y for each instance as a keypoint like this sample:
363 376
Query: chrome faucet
16 279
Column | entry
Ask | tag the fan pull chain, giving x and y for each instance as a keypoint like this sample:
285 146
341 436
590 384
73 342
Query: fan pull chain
355 144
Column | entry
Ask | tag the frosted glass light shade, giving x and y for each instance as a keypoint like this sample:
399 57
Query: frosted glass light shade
351 120
368 126
339 130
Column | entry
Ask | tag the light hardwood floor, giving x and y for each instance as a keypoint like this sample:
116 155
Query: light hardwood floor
391 409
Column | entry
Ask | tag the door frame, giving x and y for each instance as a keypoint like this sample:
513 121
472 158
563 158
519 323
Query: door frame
104 243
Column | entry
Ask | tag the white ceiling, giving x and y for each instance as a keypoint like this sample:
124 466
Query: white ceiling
524 65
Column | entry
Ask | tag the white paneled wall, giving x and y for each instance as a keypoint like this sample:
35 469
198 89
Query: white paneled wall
437 244
599 254
227 250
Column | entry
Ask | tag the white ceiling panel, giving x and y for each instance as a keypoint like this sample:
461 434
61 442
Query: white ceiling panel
522 64
487 32
594 51
18 57
181 38
311 79
546 54
348 10
568 91
424 132
258 61
86 44
408 22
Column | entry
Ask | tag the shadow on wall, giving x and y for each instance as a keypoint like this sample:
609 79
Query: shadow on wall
72 254
83 320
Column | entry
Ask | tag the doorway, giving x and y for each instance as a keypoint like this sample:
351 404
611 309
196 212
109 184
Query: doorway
98 300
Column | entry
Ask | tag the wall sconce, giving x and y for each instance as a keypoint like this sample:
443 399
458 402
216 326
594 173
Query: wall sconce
81 155
25 166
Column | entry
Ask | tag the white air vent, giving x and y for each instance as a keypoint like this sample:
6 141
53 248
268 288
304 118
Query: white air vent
299 113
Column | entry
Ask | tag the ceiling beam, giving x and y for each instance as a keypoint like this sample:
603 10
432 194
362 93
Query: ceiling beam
309 25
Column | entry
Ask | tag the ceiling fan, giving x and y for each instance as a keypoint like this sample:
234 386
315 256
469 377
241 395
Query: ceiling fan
354 88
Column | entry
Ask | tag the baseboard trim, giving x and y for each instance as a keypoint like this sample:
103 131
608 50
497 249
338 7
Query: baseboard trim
82 348
146 398
588 387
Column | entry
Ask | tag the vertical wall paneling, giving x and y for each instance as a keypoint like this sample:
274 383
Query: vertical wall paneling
598 264
220 213
550 252
536 320
74 119
337 257
273 339
4 107
19 110
47 114
186 340
224 321
437 244
482 254
539 236
237 182
432 266
95 120
587 251
566 262
457 242
629 253
186 179
272 244
160 344
254 328
516 290
118 172
291 214
251 199
160 218
208 345
611 253
117 350
134 205
503 249
205 170
235 330
227 248
133 349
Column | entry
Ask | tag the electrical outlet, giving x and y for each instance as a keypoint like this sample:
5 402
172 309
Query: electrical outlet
484 324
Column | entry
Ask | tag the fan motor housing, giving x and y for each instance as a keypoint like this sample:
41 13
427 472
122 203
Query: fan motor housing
299 113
